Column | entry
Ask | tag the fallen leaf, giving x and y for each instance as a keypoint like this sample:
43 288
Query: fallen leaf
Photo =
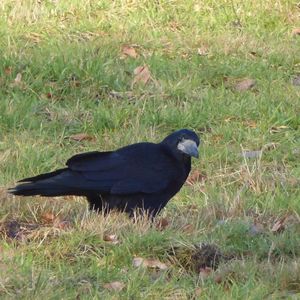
202 51
18 78
62 224
296 31
48 217
269 146
279 225
112 238
82 137
116 286
218 278
141 74
188 228
296 80
250 123
244 85
205 272
8 71
129 51
150 263
194 177
185 55
137 261
162 224
155 263
217 137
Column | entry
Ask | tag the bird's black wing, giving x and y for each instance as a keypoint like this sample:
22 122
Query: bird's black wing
95 161
139 168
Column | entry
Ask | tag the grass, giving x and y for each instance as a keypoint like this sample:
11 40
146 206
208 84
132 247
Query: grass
69 55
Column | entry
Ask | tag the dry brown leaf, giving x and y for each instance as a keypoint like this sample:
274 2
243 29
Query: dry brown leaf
155 263
205 272
279 225
244 84
18 78
8 71
195 176
150 263
296 31
137 262
48 217
188 228
218 279
217 137
61 224
112 238
129 51
18 81
116 286
141 74
162 224
198 292
202 51
250 123
81 137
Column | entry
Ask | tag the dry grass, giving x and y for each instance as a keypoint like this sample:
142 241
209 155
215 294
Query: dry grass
243 197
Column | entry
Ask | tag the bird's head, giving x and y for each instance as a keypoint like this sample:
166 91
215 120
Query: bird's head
183 141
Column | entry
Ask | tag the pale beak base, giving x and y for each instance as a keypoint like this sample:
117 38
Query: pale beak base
188 147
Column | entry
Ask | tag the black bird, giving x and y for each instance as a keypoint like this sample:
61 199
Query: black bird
139 176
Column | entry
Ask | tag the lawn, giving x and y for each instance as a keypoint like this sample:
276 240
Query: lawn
97 75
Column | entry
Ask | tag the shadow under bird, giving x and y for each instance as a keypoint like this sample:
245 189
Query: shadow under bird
141 176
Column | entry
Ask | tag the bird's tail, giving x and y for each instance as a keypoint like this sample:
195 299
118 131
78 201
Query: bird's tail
44 185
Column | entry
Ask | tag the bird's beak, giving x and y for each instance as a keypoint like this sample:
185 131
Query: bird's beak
188 147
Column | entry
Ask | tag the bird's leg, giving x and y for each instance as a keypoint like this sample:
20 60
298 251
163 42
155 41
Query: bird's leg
95 202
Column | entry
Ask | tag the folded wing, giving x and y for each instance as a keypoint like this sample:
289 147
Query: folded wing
124 172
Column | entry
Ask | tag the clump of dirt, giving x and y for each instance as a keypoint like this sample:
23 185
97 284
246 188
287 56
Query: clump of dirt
198 257
207 255
16 230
